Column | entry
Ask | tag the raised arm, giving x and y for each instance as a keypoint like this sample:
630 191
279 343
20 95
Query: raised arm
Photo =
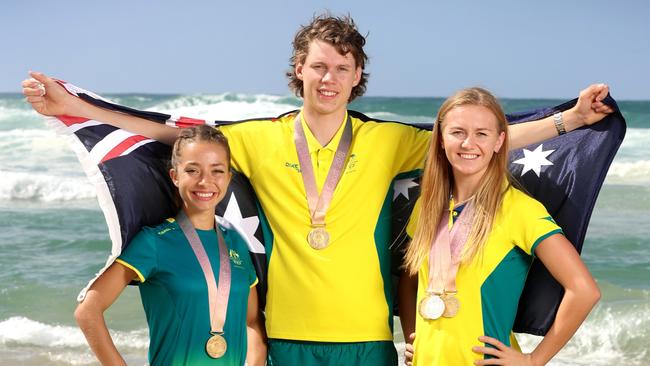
580 295
256 350
49 98
588 110
90 313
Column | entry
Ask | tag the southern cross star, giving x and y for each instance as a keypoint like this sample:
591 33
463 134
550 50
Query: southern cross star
246 225
402 187
533 160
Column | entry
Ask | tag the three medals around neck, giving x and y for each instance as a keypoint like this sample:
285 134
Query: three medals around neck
318 237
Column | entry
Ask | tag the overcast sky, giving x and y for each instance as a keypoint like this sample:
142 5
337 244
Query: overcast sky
523 49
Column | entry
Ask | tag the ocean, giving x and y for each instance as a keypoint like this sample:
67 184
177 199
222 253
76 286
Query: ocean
55 238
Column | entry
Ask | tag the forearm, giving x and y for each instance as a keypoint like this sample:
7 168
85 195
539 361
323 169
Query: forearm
573 310
407 298
99 339
257 349
524 134
159 132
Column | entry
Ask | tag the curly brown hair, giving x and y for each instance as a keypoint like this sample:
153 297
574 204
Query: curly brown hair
340 32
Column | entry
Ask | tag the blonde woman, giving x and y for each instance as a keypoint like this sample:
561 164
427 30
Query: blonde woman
474 239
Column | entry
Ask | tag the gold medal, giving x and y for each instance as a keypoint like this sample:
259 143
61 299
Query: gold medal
216 346
452 305
431 307
318 238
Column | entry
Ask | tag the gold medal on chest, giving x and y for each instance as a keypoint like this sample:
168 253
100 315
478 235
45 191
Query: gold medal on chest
216 346
431 307
452 305
318 238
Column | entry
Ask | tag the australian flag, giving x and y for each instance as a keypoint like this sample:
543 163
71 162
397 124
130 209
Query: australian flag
130 173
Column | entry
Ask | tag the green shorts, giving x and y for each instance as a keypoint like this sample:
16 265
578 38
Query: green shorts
291 353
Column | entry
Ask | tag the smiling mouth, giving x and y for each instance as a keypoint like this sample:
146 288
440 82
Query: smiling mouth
327 93
469 156
205 196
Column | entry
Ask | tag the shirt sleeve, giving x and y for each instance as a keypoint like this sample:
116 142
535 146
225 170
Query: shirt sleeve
411 149
533 222
140 255
248 143
250 269
239 243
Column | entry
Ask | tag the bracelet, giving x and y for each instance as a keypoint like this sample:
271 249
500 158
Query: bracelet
559 123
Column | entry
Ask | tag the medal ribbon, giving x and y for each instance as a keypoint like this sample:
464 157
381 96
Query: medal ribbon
318 204
446 248
217 295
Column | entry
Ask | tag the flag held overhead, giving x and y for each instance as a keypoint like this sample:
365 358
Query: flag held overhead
130 173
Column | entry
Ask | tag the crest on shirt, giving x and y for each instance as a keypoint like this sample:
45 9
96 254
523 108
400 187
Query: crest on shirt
234 257
353 160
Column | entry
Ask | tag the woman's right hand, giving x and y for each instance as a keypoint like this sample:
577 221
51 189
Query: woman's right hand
50 99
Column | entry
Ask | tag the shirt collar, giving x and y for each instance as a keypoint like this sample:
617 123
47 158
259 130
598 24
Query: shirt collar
313 144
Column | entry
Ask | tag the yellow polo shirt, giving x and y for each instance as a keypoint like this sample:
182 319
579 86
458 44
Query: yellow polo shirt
341 293
488 287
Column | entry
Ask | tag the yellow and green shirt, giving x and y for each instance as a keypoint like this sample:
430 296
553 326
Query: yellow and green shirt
343 292
488 287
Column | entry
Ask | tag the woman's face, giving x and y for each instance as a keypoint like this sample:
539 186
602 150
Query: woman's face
201 175
470 137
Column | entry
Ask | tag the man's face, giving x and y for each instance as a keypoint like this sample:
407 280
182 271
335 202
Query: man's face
328 78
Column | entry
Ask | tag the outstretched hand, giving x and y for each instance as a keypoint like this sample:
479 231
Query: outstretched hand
590 107
503 355
46 96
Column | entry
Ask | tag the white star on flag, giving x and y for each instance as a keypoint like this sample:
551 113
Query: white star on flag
246 225
402 187
533 160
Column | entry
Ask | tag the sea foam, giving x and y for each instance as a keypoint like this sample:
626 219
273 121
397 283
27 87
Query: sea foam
631 164
229 107
15 117
65 343
612 335
38 165
629 172
25 331
44 187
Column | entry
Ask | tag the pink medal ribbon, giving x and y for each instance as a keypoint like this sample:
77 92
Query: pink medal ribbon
318 237
217 295
444 260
